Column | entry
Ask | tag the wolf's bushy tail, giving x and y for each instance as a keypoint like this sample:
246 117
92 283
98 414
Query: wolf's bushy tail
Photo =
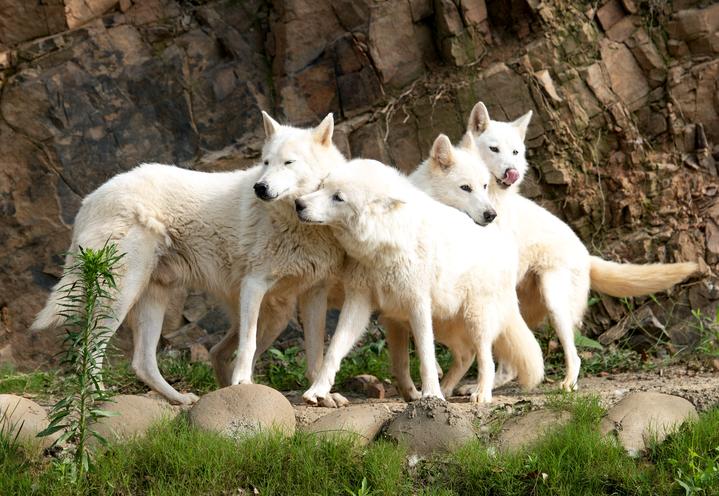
51 314
625 280
518 347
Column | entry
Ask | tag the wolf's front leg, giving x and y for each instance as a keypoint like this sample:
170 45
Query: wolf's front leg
420 319
252 290
484 328
354 317
313 311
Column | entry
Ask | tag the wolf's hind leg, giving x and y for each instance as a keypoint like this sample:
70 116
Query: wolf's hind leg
148 314
556 289
398 344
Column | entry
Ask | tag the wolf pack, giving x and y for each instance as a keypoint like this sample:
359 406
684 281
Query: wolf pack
452 253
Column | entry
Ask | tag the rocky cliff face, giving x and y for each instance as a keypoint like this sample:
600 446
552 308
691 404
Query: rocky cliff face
623 145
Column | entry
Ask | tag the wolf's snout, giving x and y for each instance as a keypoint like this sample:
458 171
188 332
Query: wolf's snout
300 205
261 191
489 215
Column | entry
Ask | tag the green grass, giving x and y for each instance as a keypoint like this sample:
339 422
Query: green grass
285 369
176 459
32 383
596 358
183 375
707 328
572 460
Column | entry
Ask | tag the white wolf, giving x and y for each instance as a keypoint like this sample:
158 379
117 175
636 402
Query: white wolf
181 228
450 176
555 269
416 260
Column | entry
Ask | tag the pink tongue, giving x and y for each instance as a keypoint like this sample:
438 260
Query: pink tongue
510 176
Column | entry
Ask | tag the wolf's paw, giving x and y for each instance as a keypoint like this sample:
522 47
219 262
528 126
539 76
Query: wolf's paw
311 399
185 399
315 395
433 394
408 393
465 390
484 399
334 400
411 395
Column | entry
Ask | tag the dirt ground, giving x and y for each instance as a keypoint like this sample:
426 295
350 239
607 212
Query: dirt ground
700 388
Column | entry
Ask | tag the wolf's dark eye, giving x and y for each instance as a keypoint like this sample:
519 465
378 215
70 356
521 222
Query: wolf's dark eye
495 149
337 197
466 187
515 152
485 186
288 162
267 162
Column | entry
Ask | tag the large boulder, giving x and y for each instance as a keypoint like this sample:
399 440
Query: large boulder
21 20
78 12
644 416
431 426
135 415
24 418
243 409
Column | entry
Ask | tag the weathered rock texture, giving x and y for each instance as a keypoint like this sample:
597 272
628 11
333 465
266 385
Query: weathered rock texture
645 417
23 419
361 423
133 416
623 145
244 409
520 432
431 426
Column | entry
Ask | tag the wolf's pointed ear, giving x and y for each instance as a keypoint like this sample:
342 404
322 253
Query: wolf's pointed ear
523 123
441 152
271 125
467 143
323 132
478 119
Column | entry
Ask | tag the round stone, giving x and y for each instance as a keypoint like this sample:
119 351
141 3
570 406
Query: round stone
524 430
644 416
244 409
359 422
431 425
23 418
134 416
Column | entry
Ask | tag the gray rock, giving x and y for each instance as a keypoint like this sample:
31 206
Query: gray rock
524 430
391 27
431 426
24 418
642 416
215 320
136 414
195 307
361 422
243 409
186 336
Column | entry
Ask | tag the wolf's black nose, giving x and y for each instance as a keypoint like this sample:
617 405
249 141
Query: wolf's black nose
300 205
261 191
489 215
